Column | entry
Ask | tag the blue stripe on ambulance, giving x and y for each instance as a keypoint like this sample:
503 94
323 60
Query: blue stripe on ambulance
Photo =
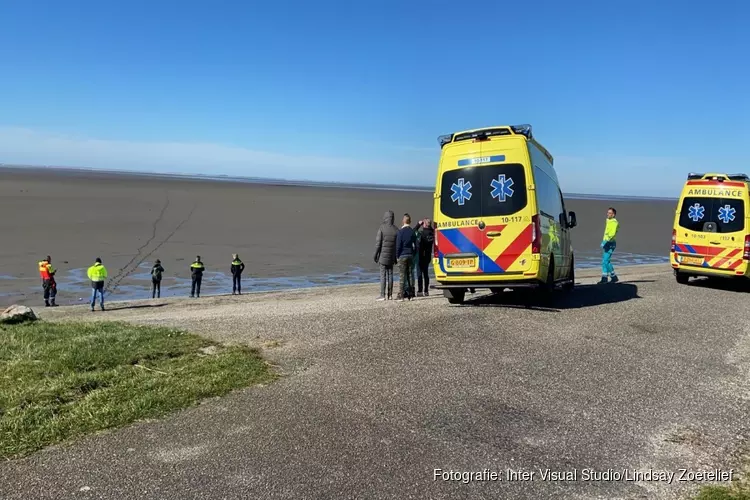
462 243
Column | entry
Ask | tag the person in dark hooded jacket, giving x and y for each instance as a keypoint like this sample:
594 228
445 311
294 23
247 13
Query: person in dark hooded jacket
385 253
425 240
156 274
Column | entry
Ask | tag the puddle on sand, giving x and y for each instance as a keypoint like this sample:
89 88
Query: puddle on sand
138 284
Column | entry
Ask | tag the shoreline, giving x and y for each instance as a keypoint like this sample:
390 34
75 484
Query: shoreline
585 274
138 286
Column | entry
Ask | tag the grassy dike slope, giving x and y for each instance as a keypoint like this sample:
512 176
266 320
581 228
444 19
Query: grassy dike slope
61 381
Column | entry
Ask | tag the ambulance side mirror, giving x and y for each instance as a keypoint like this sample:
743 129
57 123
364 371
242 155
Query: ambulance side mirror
572 219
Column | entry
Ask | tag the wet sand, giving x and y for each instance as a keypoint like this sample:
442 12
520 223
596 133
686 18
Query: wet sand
288 236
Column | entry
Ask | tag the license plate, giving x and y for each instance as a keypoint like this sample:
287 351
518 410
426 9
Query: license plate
692 261
462 263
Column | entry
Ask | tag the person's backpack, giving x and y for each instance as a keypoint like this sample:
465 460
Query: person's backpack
156 273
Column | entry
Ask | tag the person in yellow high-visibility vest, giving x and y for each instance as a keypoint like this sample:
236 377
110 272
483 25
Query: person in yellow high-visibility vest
97 274
609 242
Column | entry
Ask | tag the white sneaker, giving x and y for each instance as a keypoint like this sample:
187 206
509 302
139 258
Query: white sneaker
380 299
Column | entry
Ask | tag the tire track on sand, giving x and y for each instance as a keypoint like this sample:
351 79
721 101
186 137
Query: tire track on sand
123 271
157 247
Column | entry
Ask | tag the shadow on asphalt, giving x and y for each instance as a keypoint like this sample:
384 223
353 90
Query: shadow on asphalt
581 296
138 306
726 284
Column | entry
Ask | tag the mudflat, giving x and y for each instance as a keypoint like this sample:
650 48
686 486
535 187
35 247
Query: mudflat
286 235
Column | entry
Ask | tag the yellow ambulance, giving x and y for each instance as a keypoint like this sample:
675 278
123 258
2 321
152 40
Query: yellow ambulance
499 214
711 233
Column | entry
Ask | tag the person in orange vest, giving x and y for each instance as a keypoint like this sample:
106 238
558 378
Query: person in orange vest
47 273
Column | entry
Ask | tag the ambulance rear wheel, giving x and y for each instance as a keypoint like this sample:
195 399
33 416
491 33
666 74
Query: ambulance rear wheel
454 295
681 278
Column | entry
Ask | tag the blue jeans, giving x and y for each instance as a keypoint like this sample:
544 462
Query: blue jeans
414 272
94 290
607 251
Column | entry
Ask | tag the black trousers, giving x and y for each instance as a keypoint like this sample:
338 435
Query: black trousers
423 273
195 288
50 289
155 288
237 282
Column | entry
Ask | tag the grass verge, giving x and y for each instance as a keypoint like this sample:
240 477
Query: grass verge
738 489
62 380
723 493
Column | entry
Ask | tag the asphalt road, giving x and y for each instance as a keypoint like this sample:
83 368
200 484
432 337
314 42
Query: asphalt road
646 374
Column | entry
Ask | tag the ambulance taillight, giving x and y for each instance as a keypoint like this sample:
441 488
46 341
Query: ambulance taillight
435 251
674 241
746 254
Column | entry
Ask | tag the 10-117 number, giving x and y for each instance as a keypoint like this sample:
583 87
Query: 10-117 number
515 218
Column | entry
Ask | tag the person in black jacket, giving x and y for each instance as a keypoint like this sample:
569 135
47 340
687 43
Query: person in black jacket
237 267
385 253
405 249
156 273
196 273
425 240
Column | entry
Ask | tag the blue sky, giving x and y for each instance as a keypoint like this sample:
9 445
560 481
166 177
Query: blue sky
628 97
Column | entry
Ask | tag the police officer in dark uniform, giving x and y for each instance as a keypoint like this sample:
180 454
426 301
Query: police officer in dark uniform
196 273
237 267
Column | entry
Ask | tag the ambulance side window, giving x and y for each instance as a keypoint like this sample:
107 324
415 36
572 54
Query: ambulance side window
563 213
548 195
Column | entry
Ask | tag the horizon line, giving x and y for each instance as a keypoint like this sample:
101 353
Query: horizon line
295 182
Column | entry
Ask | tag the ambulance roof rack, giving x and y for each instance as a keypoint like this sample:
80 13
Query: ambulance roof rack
718 177
484 133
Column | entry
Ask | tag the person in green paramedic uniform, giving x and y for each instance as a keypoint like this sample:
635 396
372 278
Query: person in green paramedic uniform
609 242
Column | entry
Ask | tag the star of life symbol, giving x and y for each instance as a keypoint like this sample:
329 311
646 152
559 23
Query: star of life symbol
501 187
461 191
726 214
695 212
